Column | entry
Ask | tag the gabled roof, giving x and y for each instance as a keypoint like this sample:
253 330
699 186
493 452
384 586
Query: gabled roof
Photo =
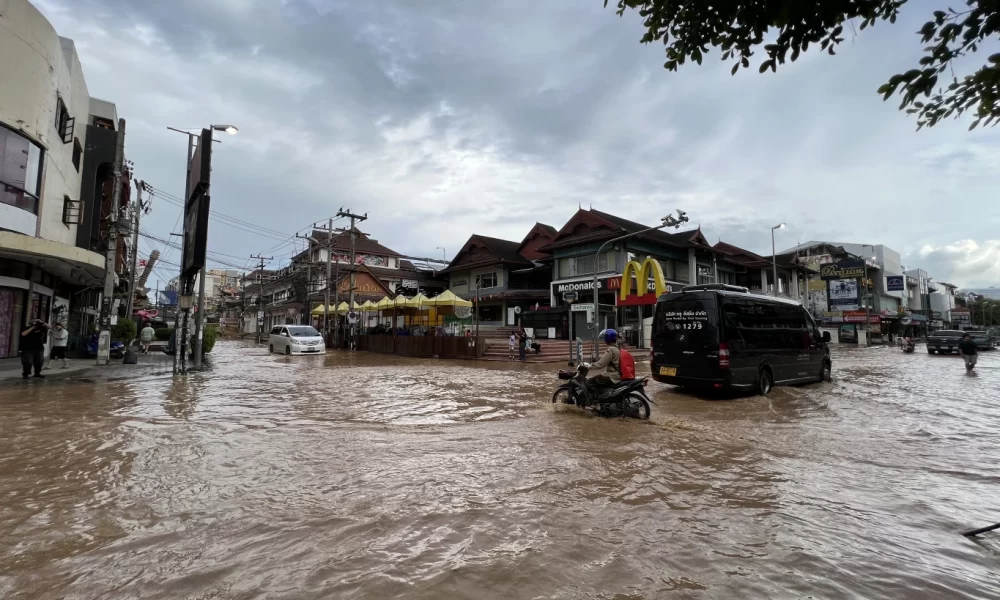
483 251
540 235
588 226
362 243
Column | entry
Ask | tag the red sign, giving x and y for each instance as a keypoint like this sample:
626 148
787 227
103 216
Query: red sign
858 316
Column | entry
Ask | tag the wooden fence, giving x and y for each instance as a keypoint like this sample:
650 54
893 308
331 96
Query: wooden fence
424 346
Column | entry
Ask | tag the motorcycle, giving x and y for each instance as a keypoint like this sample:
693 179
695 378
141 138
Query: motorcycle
117 349
909 347
627 398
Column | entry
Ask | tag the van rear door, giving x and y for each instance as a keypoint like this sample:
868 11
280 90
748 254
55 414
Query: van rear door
686 336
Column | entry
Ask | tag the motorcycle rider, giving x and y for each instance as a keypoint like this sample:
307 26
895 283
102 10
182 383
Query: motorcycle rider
608 369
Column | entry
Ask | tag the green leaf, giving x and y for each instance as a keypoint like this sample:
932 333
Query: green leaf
736 67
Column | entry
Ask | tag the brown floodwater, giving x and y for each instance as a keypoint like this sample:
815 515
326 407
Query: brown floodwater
364 476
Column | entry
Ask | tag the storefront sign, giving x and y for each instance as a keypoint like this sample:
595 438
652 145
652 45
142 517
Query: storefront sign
650 268
584 307
895 283
961 317
843 269
858 316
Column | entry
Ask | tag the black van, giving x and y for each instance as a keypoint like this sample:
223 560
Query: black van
723 337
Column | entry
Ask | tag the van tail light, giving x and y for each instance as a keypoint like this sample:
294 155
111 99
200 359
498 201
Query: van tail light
650 355
723 356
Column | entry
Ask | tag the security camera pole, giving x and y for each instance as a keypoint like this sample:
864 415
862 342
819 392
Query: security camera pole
667 221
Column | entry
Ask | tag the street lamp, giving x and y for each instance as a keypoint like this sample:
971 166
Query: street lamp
444 255
667 221
774 257
200 314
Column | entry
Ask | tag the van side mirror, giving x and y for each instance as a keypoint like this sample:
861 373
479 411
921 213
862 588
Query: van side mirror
826 336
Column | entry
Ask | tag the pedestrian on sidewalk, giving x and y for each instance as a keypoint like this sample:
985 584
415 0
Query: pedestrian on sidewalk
59 338
33 348
969 351
522 344
510 346
146 337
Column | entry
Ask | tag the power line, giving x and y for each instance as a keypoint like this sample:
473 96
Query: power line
222 217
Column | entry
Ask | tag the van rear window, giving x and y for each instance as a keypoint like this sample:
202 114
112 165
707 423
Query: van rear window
687 319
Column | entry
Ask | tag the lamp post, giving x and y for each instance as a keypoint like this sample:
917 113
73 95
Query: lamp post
200 314
774 257
667 221
444 255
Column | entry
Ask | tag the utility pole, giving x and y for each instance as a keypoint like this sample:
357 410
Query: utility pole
104 339
354 218
260 292
139 207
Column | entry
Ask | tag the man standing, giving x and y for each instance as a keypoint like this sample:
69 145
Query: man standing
146 337
33 348
60 337
967 348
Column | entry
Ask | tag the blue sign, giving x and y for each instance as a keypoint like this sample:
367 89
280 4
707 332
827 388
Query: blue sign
895 283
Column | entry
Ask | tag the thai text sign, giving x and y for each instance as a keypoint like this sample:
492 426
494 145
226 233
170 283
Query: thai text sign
843 269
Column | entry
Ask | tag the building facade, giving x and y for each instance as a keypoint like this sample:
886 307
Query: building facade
48 267
503 278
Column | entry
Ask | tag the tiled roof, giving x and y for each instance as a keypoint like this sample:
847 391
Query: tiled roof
362 243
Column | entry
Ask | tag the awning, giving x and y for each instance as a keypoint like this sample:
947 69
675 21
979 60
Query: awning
69 263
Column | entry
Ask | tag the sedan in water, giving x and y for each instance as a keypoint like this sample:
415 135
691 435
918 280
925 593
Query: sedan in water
296 339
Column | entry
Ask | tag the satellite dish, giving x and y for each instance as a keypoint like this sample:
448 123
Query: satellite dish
463 312
517 310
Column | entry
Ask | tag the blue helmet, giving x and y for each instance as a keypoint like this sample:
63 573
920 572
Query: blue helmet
610 336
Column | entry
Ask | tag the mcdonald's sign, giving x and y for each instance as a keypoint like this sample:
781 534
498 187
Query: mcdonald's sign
643 272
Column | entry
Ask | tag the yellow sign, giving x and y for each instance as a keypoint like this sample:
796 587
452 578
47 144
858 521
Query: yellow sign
641 277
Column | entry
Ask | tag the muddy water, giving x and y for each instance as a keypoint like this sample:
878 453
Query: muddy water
374 477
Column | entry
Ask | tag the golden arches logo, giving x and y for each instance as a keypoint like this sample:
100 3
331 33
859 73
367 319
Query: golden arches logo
642 274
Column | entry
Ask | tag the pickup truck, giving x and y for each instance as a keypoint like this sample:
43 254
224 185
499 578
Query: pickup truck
984 341
944 341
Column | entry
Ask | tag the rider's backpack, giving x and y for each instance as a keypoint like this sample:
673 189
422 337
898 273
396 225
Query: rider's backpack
626 365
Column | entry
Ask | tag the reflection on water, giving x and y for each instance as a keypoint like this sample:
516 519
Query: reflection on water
361 476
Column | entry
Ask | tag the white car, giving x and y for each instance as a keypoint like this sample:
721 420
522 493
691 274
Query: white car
296 339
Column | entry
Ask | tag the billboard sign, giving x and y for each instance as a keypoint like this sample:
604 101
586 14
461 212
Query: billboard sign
196 207
843 294
895 283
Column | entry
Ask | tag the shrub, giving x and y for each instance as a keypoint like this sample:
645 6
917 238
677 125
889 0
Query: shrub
124 331
163 333
208 340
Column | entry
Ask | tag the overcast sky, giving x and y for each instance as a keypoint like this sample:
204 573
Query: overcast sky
442 118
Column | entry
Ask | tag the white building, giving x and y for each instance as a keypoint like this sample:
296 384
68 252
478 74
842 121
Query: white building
45 119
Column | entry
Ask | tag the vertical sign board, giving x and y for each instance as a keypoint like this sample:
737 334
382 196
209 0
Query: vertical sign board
196 207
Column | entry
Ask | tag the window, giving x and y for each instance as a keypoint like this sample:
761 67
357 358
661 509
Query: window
486 280
72 211
20 171
64 122
584 265
104 123
77 154
726 277
683 272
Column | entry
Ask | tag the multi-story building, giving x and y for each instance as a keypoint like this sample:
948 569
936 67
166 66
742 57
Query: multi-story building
55 181
504 278
942 303
684 258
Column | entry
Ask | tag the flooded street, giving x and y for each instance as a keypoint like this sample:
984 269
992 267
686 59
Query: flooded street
366 476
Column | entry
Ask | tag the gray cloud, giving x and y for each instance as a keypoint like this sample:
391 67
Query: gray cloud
444 118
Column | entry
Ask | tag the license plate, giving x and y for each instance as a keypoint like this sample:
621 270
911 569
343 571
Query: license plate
668 371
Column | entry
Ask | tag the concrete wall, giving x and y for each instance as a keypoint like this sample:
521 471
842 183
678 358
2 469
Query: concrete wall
36 67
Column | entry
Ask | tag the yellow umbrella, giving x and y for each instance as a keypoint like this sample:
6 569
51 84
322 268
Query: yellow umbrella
319 310
447 298
384 303
368 306
418 301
